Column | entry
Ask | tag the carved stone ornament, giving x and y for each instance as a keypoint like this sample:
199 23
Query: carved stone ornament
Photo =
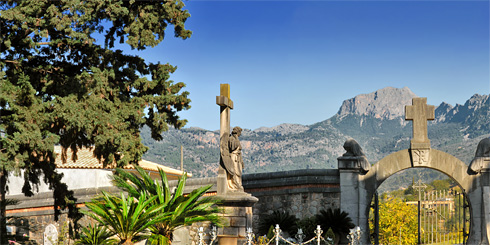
420 156
354 150
481 162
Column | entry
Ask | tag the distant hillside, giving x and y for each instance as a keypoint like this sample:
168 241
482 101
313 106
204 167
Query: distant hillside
375 120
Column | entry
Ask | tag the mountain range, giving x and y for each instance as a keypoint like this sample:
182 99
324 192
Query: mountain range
375 120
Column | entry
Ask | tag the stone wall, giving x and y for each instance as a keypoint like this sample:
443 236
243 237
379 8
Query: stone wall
34 214
300 192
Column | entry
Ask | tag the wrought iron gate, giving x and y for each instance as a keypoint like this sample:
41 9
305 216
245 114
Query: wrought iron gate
444 218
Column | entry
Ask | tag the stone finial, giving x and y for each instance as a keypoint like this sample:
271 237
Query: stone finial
481 162
355 155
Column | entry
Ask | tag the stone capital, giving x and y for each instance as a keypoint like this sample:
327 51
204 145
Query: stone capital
238 199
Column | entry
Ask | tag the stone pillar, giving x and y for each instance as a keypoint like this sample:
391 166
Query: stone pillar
480 197
485 201
353 193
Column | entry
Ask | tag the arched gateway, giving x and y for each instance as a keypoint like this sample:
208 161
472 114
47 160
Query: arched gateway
357 186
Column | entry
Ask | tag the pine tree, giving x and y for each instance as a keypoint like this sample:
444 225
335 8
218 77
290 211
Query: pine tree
61 86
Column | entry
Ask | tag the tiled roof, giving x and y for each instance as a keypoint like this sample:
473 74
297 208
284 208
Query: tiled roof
87 160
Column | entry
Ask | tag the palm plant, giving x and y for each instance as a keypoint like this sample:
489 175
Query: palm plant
183 210
96 234
338 221
127 217
286 222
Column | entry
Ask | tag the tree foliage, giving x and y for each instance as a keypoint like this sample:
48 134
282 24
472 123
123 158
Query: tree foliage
397 222
59 85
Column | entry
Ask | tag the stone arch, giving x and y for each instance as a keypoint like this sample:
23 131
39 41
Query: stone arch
401 160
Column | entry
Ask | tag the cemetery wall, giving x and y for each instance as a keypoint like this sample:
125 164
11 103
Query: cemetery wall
300 192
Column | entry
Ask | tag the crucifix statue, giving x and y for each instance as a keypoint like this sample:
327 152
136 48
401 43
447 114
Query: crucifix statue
419 112
231 163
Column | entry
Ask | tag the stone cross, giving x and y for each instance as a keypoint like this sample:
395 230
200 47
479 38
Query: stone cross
225 103
419 112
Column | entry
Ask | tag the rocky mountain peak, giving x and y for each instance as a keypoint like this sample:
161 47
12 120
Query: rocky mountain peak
443 111
461 113
477 101
383 104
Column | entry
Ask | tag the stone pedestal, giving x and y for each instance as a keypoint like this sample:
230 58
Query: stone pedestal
237 215
352 193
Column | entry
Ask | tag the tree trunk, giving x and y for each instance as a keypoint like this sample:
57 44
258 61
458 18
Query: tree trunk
3 209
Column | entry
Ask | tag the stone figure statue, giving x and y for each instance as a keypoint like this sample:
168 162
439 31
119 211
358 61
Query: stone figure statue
231 159
482 156
353 149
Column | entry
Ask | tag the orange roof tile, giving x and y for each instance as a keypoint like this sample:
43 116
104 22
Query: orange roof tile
87 160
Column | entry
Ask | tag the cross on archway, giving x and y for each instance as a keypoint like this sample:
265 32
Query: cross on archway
419 112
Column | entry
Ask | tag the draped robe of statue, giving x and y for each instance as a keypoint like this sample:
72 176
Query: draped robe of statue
236 157
231 160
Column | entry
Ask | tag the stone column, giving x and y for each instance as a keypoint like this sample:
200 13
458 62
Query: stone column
353 193
480 197
484 177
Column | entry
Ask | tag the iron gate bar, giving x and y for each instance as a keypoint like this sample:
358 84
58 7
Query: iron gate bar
444 217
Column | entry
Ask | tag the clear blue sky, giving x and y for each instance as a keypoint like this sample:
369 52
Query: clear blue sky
296 61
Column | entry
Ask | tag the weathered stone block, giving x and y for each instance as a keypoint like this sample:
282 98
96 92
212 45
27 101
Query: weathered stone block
235 211
230 231
242 231
238 221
